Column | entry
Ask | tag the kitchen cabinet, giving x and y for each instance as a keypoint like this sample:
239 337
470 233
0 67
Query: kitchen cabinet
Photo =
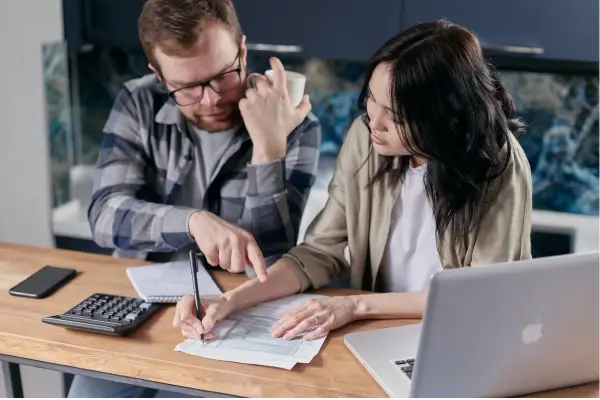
332 29
113 22
547 29
102 22
564 30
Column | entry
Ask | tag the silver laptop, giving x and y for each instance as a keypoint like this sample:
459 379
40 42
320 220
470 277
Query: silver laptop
495 331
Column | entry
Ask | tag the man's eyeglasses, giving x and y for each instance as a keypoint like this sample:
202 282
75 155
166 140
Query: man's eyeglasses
221 83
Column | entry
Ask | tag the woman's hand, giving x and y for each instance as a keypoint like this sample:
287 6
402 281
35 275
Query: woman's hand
321 314
213 310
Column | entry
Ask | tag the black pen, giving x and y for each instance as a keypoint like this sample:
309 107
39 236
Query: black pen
194 269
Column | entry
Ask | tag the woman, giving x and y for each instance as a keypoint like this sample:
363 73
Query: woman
430 178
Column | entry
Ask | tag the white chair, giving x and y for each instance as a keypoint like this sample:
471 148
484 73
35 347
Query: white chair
316 201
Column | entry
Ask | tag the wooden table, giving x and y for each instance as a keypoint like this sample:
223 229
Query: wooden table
147 357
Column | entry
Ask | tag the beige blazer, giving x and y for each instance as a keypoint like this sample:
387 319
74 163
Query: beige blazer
359 218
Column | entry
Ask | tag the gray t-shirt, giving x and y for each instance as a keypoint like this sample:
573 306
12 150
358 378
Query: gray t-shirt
208 156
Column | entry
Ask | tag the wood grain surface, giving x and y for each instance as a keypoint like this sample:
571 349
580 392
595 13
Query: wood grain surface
148 353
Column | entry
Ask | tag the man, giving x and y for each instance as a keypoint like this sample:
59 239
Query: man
181 164
191 158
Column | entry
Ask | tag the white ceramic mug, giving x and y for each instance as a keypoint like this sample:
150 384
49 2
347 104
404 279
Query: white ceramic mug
295 82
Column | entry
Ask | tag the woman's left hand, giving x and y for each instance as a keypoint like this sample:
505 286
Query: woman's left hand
321 314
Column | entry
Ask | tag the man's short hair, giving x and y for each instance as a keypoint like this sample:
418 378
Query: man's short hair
175 25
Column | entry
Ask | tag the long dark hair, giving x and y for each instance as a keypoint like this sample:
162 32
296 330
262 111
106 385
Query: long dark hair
458 116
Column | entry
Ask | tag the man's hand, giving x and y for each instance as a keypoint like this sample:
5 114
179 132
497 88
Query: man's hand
269 115
225 244
213 309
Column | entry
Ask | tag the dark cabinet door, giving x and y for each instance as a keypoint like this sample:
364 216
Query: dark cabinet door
112 23
548 29
333 29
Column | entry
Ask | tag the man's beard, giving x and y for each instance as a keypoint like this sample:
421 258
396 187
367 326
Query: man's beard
200 120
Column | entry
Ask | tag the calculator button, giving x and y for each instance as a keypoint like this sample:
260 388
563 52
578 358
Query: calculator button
131 316
86 313
145 306
89 320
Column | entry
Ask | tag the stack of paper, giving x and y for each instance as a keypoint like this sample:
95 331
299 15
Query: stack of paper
245 337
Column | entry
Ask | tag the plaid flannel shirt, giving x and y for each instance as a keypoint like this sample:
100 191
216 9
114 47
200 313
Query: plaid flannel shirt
145 157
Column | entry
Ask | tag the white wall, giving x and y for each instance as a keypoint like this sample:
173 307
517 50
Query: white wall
25 198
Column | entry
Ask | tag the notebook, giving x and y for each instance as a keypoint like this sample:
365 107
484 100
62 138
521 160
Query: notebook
169 282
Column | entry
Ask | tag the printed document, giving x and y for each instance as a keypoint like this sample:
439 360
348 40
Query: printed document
245 337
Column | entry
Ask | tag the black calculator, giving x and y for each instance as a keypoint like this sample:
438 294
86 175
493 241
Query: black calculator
105 313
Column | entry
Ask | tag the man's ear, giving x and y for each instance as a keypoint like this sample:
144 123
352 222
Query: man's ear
243 51
157 73
153 70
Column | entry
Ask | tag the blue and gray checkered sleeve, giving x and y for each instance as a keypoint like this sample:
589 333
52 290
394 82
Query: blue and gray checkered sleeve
125 212
278 191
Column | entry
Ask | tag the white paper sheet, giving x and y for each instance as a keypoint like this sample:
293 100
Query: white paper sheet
245 337
194 347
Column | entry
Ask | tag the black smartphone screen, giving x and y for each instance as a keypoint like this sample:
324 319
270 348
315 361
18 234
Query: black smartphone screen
43 282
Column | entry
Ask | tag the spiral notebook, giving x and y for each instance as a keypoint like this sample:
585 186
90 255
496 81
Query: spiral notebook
169 282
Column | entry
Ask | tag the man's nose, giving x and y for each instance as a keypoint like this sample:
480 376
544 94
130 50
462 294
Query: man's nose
210 97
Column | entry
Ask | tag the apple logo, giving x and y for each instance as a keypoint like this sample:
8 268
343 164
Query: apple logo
532 333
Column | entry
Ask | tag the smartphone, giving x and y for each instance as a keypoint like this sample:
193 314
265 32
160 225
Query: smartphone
43 282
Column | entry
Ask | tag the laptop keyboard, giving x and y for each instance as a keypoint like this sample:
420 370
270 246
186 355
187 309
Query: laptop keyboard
406 366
